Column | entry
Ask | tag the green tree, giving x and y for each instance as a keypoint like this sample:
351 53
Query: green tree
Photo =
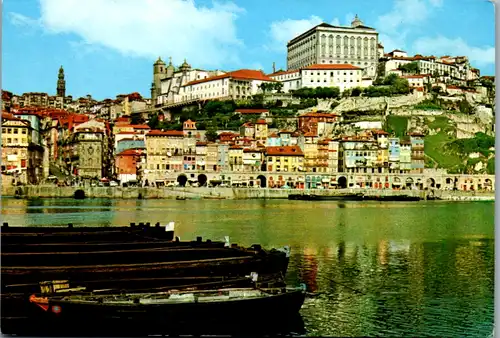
356 91
211 133
465 107
411 68
278 86
153 122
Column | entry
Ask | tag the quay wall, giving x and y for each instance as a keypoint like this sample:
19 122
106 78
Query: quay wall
39 191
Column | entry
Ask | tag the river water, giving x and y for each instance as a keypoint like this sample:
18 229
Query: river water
377 269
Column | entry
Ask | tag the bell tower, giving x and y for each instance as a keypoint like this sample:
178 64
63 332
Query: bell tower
61 83
159 71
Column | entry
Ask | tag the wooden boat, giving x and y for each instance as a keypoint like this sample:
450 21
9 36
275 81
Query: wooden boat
140 264
130 256
181 198
107 246
313 197
37 235
393 198
174 306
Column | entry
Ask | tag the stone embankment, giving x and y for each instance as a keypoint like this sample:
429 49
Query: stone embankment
223 193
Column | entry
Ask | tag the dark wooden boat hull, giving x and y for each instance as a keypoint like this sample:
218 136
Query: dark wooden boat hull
40 237
105 246
227 266
395 198
277 307
145 255
312 197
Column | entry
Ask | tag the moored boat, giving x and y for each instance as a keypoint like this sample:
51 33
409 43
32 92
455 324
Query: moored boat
174 306
315 197
57 234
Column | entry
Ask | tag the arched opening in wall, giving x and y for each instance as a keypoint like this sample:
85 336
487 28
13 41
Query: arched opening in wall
409 182
488 184
79 194
396 183
431 182
182 180
18 193
449 180
262 179
342 182
202 180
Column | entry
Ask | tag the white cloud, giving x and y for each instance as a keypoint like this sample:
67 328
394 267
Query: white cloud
150 28
405 15
445 46
283 31
23 21
335 22
280 32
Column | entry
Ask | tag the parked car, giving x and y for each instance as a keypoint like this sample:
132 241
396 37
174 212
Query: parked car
113 184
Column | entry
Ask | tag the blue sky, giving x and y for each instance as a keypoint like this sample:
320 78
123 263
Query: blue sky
107 47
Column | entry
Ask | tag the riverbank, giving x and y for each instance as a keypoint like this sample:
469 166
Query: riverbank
50 191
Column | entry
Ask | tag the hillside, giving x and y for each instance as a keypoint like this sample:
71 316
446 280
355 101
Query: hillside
443 149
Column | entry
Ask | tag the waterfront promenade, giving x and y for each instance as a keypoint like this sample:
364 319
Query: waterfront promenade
51 191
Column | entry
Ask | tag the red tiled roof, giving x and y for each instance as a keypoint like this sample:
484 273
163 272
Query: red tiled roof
310 134
317 114
242 74
199 144
135 126
157 132
284 151
235 147
285 132
129 152
420 76
250 111
273 135
11 117
261 122
380 132
337 66
126 133
251 150
283 72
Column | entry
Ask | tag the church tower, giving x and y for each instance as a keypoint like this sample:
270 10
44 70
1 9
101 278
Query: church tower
159 71
61 83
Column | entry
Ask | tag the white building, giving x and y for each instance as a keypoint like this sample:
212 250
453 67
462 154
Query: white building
446 67
291 79
417 81
344 76
168 80
326 44
239 84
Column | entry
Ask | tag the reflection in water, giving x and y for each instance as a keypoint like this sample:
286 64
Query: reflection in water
395 269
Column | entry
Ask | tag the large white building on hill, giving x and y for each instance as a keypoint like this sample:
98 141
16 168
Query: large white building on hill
344 76
327 44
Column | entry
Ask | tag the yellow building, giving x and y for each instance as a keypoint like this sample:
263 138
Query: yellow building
236 158
165 152
261 130
310 148
285 158
16 137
